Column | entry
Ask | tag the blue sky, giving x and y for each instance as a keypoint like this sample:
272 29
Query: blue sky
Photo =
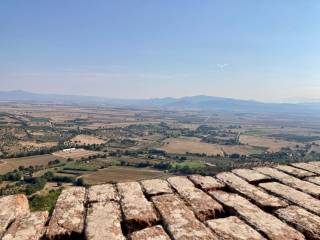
265 50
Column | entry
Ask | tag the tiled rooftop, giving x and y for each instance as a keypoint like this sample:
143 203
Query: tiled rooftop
278 203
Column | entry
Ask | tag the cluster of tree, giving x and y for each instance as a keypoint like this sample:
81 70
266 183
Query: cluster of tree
30 185
121 143
295 138
41 151
17 174
89 157
11 176
44 202
222 141
163 166
234 127
92 147
54 162
50 177
11 189
283 156
34 185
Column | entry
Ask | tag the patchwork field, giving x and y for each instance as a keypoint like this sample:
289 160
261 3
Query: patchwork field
122 174
86 139
272 144
7 165
33 144
76 154
192 145
241 149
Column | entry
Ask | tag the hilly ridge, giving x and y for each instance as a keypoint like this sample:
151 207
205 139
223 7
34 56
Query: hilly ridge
201 102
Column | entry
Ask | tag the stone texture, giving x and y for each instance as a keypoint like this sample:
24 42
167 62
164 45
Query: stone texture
251 175
315 180
297 172
179 220
317 163
102 193
155 187
138 211
206 183
11 207
187 208
260 197
152 233
232 228
291 181
308 167
103 221
68 216
302 199
201 203
28 227
264 222
305 222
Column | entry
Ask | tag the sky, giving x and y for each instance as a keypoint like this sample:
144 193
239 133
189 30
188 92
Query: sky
264 50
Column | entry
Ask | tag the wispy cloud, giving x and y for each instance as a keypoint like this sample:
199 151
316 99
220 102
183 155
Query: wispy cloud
223 65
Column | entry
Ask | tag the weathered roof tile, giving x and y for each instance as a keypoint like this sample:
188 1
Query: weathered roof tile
232 228
291 181
104 221
308 167
102 193
152 233
138 211
206 183
262 221
68 216
12 207
155 187
300 198
251 175
204 206
254 193
317 163
28 227
179 220
297 172
305 222
315 180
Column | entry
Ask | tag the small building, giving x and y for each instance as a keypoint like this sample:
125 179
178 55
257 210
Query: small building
69 150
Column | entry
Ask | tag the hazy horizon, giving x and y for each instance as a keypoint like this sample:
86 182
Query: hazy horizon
265 51
286 100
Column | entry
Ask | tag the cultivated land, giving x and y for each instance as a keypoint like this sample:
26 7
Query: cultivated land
125 144
192 145
10 164
75 154
271 144
86 139
122 174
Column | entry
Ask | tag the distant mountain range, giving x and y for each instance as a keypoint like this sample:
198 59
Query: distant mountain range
205 103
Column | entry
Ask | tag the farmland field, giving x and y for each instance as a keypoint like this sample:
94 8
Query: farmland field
11 164
76 154
272 144
33 144
192 145
126 144
241 149
86 139
122 174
